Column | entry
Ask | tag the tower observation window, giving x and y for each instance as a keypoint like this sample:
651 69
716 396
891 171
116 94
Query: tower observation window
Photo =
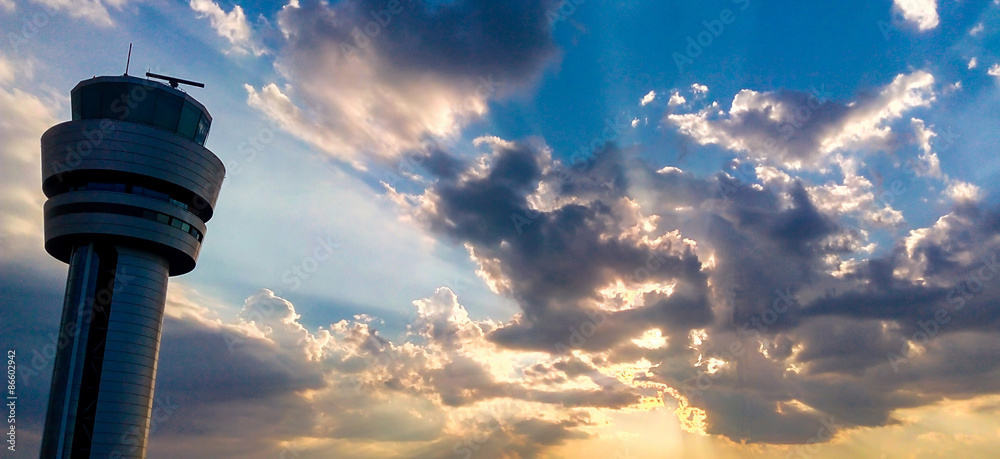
142 103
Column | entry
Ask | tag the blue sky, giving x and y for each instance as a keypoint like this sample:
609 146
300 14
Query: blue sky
548 223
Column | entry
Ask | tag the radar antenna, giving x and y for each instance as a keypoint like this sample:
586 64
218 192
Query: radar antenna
174 81
129 59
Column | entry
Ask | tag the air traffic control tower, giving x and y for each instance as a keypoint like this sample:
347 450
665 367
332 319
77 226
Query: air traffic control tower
130 186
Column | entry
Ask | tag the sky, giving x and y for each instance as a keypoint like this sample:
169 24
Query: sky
478 229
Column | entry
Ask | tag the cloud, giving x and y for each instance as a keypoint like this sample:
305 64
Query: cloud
344 389
232 26
802 129
648 98
994 71
95 11
963 191
24 116
369 80
931 164
751 303
676 99
774 277
923 13
639 289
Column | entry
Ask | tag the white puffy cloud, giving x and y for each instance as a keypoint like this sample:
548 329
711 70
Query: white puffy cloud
648 98
923 13
931 164
994 71
961 191
232 26
676 99
867 121
856 195
800 129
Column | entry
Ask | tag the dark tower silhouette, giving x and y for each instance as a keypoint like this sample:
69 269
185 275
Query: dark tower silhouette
130 186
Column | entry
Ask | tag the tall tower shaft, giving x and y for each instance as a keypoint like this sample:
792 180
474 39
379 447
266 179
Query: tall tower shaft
130 186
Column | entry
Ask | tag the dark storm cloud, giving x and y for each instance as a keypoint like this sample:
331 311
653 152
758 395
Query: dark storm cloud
440 164
508 40
745 416
556 261
844 346
524 437
770 294
959 257
201 365
32 298
548 433
463 381
853 403
898 302
371 80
